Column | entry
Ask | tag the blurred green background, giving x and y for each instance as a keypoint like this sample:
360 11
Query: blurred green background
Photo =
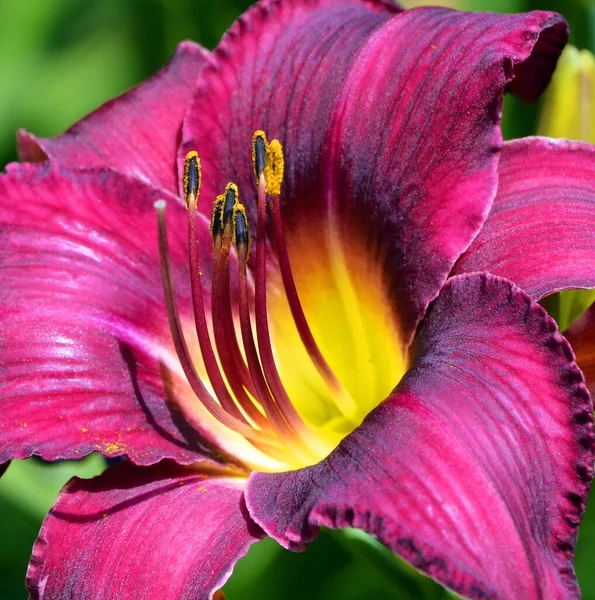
59 59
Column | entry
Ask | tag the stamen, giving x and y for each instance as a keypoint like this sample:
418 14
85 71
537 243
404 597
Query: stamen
230 356
182 348
342 397
192 179
229 338
202 330
250 397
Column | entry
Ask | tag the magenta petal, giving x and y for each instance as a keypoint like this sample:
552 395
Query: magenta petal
477 469
86 358
389 120
159 532
540 232
137 134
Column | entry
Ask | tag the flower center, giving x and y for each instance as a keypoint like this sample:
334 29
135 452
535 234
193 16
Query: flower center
266 376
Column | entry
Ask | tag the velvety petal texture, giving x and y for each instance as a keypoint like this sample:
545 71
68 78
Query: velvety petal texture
541 230
477 469
137 133
86 358
581 335
142 533
389 121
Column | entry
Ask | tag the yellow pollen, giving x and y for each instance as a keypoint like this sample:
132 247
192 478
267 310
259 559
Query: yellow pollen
274 168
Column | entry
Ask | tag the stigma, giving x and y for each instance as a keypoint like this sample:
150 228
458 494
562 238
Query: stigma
242 387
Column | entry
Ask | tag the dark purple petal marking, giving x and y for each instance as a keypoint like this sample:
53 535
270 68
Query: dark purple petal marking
390 131
157 532
86 358
477 469
540 232
137 134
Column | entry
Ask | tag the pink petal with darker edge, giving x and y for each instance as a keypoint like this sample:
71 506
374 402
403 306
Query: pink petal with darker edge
137 133
477 469
540 232
133 533
86 358
391 120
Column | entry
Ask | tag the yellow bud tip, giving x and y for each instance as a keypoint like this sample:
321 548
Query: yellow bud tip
274 167
259 149
192 178
569 101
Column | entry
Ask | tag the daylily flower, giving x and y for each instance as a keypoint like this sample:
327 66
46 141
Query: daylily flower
371 357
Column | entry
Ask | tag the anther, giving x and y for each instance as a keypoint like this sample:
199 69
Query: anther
241 232
216 218
192 179
274 168
259 150
231 199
